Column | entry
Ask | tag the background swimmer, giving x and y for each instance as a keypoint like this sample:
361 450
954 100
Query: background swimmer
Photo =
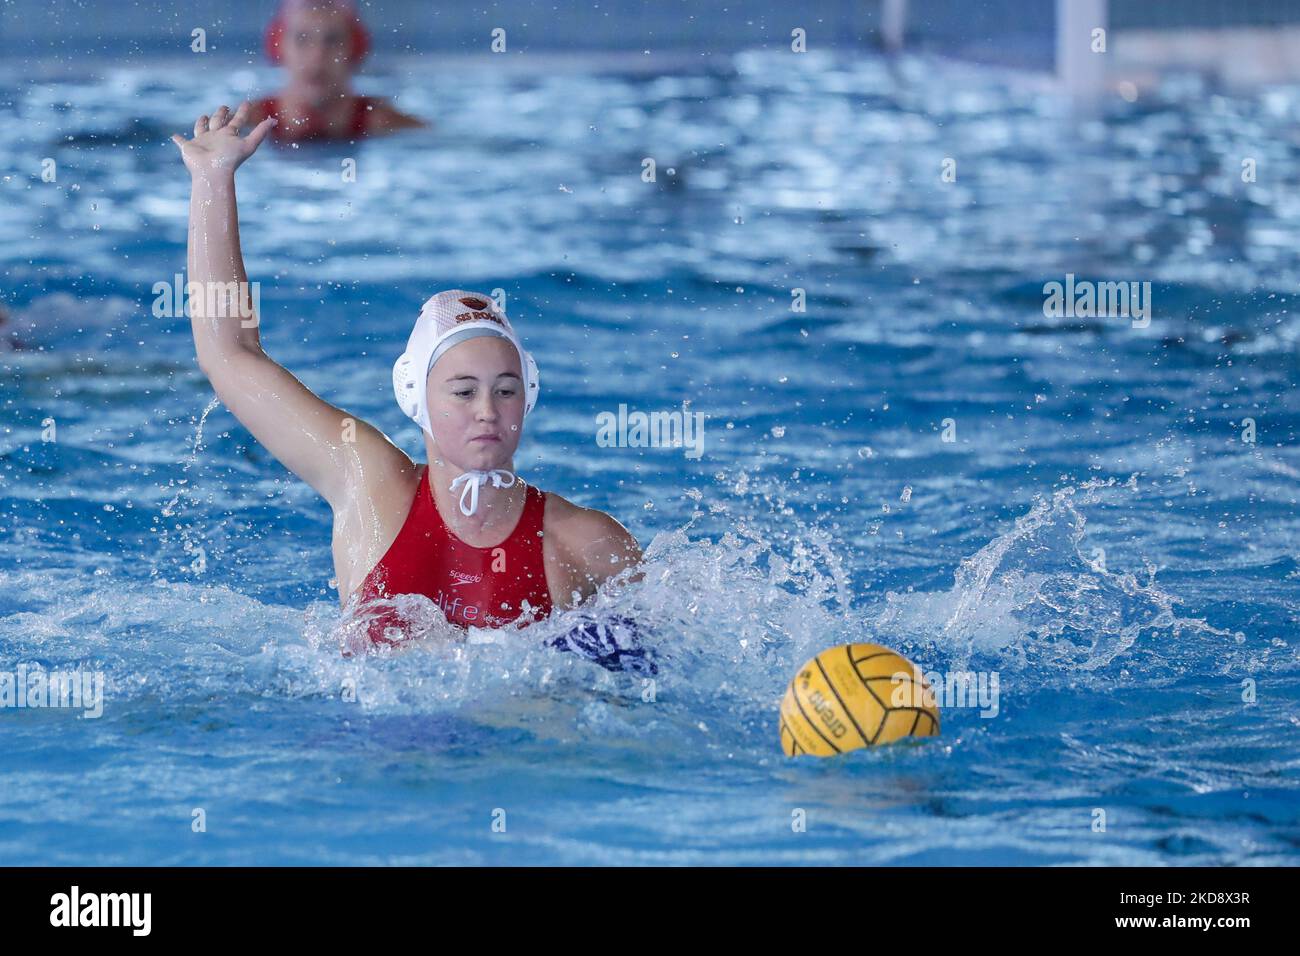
472 413
321 43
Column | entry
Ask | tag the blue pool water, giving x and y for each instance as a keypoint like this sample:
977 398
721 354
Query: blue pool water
1098 533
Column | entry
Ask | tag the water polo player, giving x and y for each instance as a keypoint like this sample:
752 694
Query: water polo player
464 530
321 43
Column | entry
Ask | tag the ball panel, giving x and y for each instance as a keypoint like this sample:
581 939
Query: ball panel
898 723
903 693
885 665
862 712
805 733
789 745
861 652
823 712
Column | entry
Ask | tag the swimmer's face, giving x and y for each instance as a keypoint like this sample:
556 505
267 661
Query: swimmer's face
316 47
476 389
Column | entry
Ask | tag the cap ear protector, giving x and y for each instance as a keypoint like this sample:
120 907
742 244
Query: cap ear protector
358 38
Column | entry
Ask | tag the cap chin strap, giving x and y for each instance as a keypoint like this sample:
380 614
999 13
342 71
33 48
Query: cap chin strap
473 480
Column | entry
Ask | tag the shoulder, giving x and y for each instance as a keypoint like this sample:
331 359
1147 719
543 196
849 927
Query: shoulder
370 514
375 473
588 537
573 520
383 117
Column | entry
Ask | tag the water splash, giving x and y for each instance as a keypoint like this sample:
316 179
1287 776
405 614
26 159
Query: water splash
186 533
1031 600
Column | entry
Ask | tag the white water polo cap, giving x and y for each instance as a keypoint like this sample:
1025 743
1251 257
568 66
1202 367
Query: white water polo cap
447 319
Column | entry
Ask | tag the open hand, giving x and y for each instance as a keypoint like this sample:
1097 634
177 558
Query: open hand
217 145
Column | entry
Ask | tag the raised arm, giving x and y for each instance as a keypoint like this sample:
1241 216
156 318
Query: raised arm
321 444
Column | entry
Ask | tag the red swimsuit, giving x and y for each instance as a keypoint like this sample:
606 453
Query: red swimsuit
483 587
286 129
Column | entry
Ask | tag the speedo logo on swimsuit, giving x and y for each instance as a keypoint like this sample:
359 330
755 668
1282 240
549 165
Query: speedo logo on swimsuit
460 577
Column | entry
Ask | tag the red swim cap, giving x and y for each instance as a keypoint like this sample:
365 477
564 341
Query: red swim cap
358 34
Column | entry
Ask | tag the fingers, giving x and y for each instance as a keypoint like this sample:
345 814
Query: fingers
259 132
219 118
240 118
178 140
200 125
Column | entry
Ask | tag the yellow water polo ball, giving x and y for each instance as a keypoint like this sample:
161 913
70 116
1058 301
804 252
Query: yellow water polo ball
854 696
